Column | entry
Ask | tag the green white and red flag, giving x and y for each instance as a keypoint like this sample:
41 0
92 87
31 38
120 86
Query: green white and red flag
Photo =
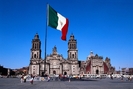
57 21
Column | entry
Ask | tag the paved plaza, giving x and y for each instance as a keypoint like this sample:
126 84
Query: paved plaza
14 83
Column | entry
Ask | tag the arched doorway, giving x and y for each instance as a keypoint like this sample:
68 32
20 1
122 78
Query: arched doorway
65 73
54 72
42 74
97 71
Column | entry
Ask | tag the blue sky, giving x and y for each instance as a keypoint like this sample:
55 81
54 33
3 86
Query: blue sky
102 26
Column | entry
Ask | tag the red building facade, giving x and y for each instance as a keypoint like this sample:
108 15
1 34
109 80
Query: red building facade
95 64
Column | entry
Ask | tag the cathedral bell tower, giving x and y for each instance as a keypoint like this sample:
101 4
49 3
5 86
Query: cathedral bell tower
36 48
72 49
35 58
73 55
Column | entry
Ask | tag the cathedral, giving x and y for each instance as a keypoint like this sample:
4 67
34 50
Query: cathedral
56 64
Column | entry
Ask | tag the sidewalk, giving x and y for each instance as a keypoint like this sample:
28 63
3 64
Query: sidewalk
14 83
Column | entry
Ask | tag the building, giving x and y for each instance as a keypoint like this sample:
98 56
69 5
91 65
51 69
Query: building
95 64
131 71
56 64
6 71
127 71
22 71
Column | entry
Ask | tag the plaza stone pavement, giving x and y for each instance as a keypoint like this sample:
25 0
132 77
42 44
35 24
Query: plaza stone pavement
14 83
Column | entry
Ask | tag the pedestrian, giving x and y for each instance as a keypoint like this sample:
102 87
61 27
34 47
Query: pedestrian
122 77
59 77
24 79
130 78
21 79
31 81
69 78
111 76
48 79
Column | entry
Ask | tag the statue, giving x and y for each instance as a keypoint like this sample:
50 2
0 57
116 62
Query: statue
54 50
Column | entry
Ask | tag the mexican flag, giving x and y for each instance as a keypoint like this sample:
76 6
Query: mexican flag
57 21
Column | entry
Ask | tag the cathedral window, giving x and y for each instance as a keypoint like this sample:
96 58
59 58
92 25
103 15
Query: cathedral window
34 55
74 46
72 55
35 46
75 54
37 54
70 46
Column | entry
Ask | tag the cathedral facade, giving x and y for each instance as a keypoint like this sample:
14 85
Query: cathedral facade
56 64
95 64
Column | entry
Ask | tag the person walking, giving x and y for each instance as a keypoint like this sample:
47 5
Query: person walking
25 79
69 76
122 76
111 76
21 79
48 79
31 81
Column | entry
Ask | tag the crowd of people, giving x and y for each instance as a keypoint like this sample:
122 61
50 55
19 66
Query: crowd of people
129 78
48 78
24 77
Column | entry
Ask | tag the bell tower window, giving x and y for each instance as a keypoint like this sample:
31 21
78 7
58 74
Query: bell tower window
70 54
72 46
35 46
73 55
34 55
37 54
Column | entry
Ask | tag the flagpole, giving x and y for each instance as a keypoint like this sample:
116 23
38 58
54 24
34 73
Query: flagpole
46 39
